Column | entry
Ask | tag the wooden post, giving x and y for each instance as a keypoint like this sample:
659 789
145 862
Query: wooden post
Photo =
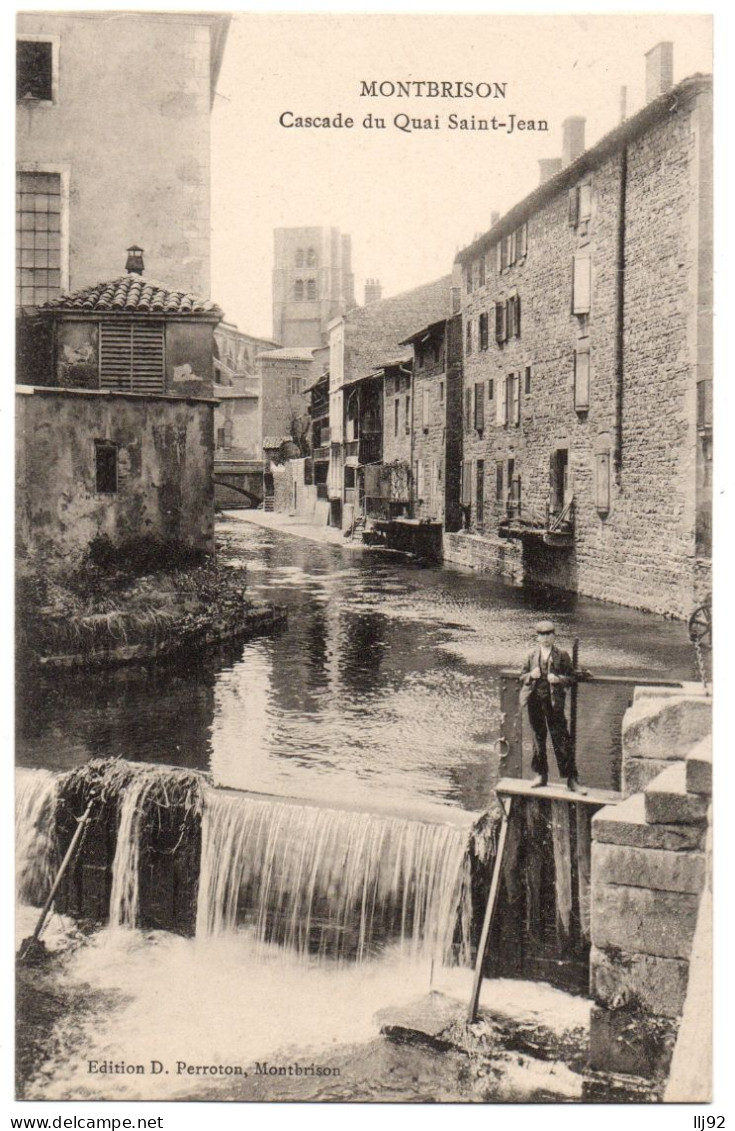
487 923
573 699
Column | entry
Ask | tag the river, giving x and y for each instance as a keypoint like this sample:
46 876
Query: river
382 696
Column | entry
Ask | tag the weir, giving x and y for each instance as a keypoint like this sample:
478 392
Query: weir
169 851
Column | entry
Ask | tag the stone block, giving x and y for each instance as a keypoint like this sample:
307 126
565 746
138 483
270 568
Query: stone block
665 728
620 978
655 868
699 768
643 921
656 691
627 1041
625 823
638 772
667 801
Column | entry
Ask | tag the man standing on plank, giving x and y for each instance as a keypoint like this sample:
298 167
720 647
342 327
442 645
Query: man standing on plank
545 677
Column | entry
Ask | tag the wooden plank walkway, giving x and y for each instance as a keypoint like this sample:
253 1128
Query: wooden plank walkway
555 791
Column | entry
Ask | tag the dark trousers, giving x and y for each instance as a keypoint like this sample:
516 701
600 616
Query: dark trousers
544 716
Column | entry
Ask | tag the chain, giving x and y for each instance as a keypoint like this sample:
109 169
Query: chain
700 663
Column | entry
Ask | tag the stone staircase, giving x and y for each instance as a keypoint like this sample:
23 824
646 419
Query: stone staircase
648 871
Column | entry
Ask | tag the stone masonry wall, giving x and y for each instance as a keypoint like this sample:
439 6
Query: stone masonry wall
640 551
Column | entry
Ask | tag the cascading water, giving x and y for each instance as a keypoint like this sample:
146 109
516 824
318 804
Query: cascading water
124 895
333 883
36 852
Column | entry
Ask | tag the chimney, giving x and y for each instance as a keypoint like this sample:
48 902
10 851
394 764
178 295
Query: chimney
494 217
659 70
573 140
134 263
548 167
373 291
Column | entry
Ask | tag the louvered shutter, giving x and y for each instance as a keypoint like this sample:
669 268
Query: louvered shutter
518 316
524 241
132 357
500 322
582 284
480 406
502 402
515 383
581 380
573 207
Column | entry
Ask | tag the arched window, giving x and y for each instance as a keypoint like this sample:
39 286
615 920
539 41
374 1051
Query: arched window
300 257
311 290
298 290
311 257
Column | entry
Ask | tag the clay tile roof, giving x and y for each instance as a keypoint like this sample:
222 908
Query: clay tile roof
133 294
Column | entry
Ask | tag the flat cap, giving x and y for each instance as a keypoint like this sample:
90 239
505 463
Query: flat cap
544 626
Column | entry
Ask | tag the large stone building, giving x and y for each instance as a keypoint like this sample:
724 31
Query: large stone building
113 146
312 283
588 363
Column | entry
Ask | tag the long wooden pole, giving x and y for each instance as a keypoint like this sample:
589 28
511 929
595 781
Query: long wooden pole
491 901
27 944
573 698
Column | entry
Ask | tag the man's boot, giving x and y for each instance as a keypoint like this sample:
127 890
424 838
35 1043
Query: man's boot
539 781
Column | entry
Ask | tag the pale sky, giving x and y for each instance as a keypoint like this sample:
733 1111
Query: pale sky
409 201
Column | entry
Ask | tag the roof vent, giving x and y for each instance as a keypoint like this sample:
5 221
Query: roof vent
134 264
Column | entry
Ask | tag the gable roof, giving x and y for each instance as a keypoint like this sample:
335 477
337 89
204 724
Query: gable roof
624 133
132 294
373 333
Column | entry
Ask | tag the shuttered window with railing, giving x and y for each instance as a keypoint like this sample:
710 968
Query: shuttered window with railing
132 357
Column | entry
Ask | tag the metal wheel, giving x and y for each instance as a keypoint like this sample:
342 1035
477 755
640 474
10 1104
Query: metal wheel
700 625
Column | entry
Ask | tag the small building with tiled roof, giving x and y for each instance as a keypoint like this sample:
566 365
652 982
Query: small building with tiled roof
129 334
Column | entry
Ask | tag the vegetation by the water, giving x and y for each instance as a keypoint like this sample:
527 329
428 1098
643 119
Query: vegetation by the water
159 595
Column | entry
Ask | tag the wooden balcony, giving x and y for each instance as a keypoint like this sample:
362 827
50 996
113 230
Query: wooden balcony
370 447
555 527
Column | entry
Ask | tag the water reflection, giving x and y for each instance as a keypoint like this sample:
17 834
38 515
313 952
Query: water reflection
382 691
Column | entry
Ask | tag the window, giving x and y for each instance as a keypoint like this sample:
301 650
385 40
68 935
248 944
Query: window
408 414
419 351
300 257
585 202
581 284
467 408
38 237
582 380
491 389
311 290
514 398
468 338
499 481
527 380
105 458
294 386
484 331
36 68
132 357
480 493
396 415
310 257
298 290
479 406
580 205
481 272
425 409
441 392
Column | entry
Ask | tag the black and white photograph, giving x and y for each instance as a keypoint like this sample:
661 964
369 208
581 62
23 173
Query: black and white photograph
363 560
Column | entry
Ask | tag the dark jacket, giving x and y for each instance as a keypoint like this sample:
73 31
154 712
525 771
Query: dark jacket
559 663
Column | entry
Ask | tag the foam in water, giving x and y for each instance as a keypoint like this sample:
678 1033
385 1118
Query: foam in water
36 851
329 882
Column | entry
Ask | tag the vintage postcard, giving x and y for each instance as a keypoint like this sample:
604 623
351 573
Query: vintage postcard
363 558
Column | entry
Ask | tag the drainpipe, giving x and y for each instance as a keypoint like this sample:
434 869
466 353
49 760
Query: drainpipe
403 369
619 320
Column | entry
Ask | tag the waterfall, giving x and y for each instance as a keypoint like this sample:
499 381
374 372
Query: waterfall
329 882
124 895
36 851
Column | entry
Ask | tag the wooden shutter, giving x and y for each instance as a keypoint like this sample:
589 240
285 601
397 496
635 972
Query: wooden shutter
480 406
523 250
581 380
518 316
483 331
500 322
514 381
573 207
581 284
425 408
502 402
467 483
602 486
132 357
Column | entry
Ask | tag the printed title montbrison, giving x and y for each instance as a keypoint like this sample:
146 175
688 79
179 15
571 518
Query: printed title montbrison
430 88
